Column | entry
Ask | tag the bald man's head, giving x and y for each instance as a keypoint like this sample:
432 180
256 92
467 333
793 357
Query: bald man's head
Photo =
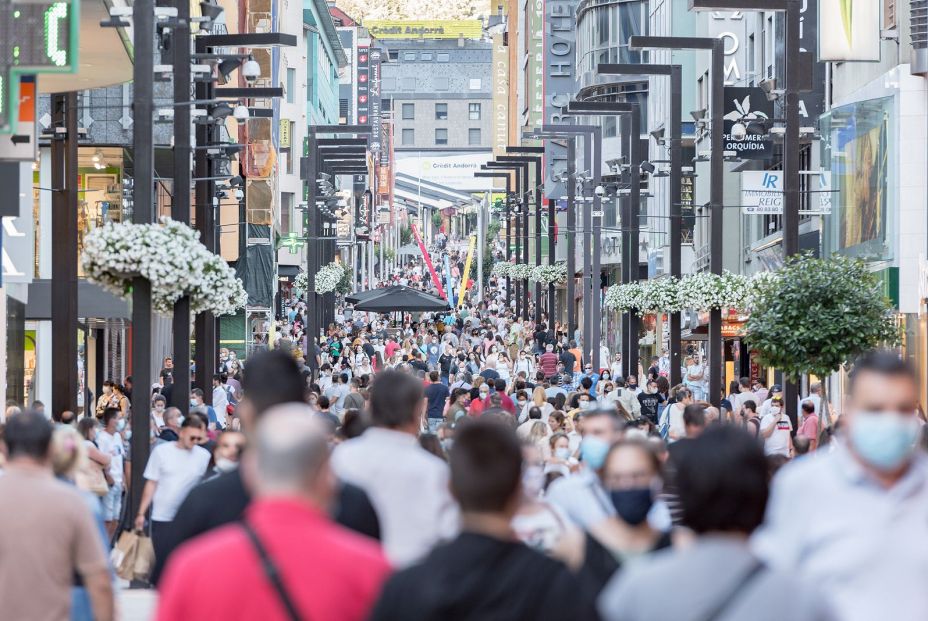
291 456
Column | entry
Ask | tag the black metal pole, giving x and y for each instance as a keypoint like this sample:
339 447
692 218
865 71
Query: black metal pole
716 246
626 271
204 323
508 240
676 215
634 204
596 309
526 202
538 182
143 212
180 208
552 242
571 236
587 214
791 153
64 255
520 297
312 256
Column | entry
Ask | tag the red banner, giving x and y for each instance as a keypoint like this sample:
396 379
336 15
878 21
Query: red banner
428 261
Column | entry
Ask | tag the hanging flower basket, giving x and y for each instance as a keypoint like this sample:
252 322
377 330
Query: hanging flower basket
170 256
340 272
661 295
502 269
520 271
547 274
625 297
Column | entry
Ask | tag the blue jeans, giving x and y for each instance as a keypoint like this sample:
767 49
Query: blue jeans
434 424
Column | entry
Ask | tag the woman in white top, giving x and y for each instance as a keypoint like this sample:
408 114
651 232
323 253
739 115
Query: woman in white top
540 400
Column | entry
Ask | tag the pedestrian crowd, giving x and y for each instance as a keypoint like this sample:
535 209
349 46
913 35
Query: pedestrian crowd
474 465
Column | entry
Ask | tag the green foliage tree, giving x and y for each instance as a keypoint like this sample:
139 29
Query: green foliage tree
405 236
814 316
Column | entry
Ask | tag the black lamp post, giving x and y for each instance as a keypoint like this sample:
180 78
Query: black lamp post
539 183
795 61
520 173
527 195
716 167
334 155
630 114
593 158
676 187
570 233
508 177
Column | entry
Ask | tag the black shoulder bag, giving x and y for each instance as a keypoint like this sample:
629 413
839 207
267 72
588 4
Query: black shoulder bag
271 572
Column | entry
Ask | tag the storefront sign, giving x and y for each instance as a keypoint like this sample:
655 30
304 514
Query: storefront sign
452 169
500 96
363 216
535 70
560 47
849 30
749 108
425 29
284 133
762 192
364 70
374 98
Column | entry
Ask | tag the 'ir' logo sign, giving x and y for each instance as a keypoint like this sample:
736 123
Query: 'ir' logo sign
770 181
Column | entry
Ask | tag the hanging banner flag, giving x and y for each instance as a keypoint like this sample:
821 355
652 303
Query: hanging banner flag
448 280
465 281
428 261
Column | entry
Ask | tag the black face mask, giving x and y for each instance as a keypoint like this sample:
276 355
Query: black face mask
632 385
632 505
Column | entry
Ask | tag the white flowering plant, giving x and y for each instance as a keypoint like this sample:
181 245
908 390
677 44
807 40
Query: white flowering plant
301 282
626 297
520 271
547 274
328 277
169 255
661 295
502 269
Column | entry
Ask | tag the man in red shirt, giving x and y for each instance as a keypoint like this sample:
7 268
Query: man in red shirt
547 362
505 400
325 571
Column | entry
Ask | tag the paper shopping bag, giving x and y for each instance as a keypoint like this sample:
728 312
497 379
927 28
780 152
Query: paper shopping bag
124 553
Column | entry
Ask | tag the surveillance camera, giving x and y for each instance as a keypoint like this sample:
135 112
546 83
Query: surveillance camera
600 190
738 131
239 195
251 70
240 113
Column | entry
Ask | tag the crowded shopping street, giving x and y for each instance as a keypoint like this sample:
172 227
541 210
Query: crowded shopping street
578 310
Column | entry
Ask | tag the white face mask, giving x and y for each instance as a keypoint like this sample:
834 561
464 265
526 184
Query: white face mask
775 410
225 465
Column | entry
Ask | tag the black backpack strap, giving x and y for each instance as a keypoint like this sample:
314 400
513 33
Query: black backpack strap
271 572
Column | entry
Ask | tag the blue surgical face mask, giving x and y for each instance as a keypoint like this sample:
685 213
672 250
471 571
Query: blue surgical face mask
885 440
562 453
593 451
120 424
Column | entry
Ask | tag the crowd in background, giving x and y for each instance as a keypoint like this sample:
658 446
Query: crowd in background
470 464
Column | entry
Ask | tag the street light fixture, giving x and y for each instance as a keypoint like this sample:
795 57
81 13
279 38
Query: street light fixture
716 166
631 130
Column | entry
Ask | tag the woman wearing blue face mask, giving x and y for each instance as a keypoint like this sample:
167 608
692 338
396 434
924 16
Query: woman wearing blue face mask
630 475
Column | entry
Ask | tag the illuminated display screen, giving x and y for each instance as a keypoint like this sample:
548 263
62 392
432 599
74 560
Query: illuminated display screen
35 37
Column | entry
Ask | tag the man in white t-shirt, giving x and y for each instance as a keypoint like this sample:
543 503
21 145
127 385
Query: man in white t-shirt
172 470
775 428
109 441
220 400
